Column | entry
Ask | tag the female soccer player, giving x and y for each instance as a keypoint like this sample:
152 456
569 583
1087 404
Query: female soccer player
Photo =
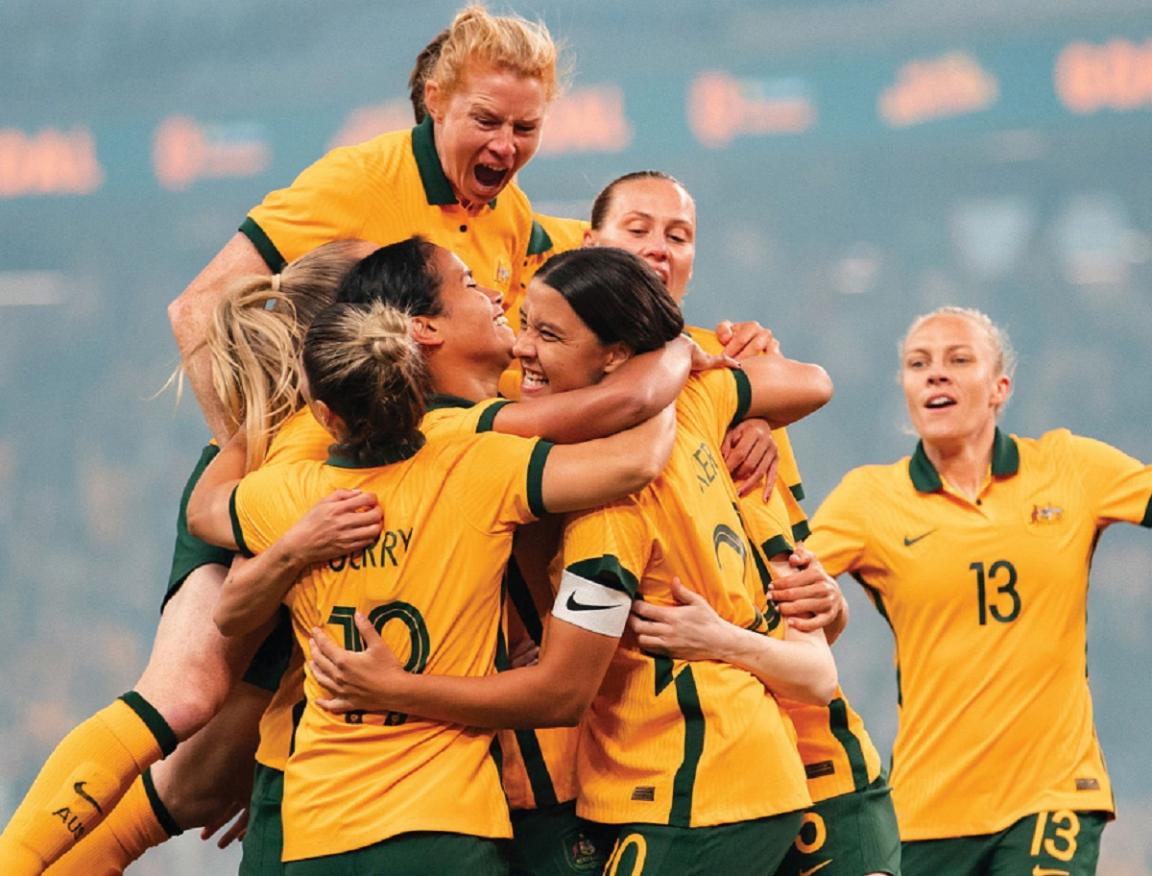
382 792
451 178
467 344
851 831
691 765
976 550
192 669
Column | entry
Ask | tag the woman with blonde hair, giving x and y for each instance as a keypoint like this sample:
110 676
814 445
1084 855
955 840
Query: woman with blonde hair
192 672
976 550
693 763
415 795
451 178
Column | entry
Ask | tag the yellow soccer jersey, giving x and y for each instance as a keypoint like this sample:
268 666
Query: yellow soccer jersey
987 603
839 756
432 586
301 437
386 190
788 483
689 744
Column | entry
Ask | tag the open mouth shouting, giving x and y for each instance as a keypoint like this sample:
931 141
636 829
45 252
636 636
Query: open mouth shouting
489 178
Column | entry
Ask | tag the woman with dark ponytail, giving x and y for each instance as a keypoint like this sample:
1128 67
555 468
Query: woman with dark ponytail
689 765
426 795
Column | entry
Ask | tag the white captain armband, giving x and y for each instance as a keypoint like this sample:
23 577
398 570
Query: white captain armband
592 606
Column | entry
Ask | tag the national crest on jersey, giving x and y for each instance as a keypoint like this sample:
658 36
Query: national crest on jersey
986 598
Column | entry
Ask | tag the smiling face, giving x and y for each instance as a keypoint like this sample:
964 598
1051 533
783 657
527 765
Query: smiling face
486 130
556 349
952 381
655 219
471 321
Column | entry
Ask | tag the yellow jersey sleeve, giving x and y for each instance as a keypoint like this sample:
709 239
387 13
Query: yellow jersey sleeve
507 488
1118 486
713 401
788 480
267 502
840 535
326 202
447 418
610 545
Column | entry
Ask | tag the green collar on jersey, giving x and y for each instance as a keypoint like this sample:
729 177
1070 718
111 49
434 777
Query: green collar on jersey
436 186
444 400
1005 463
384 456
538 242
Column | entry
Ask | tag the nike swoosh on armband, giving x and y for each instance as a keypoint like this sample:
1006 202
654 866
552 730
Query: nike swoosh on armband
573 605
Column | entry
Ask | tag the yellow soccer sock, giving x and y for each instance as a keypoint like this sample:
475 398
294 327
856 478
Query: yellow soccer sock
82 780
139 822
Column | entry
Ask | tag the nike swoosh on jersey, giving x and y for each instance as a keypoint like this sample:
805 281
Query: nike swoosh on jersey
573 605
79 789
908 542
812 870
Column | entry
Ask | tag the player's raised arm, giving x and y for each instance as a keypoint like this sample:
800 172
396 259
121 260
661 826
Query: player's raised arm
191 313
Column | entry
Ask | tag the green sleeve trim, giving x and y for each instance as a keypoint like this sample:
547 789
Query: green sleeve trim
838 723
777 544
536 477
538 241
153 720
488 416
797 491
801 530
1147 521
743 395
237 529
684 783
163 816
263 244
608 571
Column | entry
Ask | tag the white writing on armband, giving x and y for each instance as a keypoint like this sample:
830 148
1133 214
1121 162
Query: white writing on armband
592 606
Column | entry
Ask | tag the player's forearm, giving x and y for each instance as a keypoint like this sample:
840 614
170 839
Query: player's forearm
799 668
254 589
209 512
839 623
784 390
635 392
578 476
190 315
520 698
635 457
